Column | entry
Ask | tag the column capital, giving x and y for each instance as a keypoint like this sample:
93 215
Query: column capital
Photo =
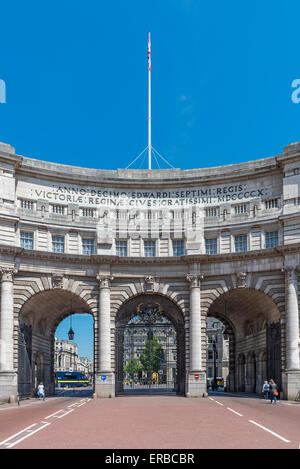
104 280
194 279
7 274
291 271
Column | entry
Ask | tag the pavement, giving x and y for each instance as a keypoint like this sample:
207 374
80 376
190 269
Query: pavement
220 421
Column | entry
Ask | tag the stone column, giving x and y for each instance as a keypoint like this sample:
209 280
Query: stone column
8 382
292 335
196 384
104 376
292 321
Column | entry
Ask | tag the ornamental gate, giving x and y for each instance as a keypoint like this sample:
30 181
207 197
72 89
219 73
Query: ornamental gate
149 353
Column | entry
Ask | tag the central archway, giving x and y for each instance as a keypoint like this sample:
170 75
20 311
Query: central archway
149 347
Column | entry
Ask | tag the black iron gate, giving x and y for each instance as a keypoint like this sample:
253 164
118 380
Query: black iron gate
25 360
273 332
149 350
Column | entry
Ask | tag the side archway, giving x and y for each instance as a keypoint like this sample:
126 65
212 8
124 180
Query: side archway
38 319
248 314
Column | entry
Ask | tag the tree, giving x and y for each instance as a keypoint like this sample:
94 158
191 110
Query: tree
152 356
132 367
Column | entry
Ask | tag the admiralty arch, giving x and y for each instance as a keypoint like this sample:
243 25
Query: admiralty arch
170 247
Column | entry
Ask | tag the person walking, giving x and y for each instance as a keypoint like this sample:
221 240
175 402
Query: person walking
41 391
273 391
265 389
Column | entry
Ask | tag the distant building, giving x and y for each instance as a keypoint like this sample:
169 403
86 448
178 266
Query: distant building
65 355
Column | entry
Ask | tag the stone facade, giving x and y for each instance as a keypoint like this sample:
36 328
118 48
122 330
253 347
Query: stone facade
221 242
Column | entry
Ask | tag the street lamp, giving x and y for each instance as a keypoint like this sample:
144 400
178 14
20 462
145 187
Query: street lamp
71 332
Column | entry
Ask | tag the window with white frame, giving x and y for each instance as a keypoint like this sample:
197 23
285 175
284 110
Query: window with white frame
149 248
26 240
272 239
58 243
178 247
240 243
211 246
121 248
88 246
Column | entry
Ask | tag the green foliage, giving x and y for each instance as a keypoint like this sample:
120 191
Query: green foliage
152 356
132 367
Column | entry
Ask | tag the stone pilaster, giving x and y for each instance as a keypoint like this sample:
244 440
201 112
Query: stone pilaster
105 382
196 379
292 334
8 381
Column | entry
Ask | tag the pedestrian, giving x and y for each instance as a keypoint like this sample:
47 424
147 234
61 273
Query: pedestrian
273 391
265 389
41 391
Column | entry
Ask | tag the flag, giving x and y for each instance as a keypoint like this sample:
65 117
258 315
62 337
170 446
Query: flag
149 54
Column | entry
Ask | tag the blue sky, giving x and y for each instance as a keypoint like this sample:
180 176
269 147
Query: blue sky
76 82
83 327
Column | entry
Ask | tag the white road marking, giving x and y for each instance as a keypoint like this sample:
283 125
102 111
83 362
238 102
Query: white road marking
66 413
36 427
52 415
220 403
16 434
29 434
270 431
234 411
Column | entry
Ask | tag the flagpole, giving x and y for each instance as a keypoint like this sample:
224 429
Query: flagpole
149 103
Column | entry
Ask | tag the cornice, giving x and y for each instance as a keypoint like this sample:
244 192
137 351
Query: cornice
156 178
203 259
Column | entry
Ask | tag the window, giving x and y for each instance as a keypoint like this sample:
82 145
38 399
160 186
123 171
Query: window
210 355
271 203
211 246
87 212
149 248
26 240
58 243
178 248
121 248
240 242
241 208
88 246
212 212
271 239
58 209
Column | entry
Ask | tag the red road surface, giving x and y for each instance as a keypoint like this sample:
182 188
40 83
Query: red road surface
150 422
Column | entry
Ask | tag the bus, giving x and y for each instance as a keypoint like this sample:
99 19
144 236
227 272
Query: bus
71 379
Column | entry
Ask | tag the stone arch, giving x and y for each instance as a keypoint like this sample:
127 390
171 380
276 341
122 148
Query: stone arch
121 292
212 290
27 286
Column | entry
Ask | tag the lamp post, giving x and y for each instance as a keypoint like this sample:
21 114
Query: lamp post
215 361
